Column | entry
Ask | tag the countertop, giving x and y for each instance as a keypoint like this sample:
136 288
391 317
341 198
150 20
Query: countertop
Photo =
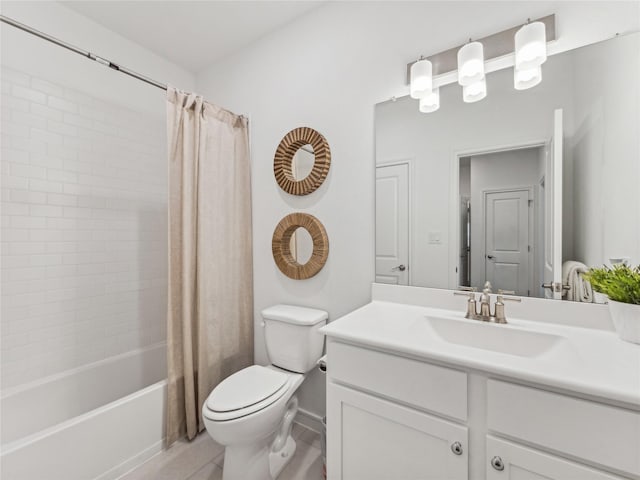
590 361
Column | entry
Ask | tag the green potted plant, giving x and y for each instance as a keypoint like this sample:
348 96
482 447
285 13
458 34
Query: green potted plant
621 284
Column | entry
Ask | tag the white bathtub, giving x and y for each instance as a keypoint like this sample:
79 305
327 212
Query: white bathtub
94 422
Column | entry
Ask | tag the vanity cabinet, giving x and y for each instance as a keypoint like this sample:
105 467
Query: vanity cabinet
394 417
381 440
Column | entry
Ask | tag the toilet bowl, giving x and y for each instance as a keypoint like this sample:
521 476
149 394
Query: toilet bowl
251 412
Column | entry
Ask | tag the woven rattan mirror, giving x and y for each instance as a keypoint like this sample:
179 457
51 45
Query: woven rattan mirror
281 246
284 165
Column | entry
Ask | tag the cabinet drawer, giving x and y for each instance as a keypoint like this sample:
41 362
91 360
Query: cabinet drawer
438 389
599 433
518 461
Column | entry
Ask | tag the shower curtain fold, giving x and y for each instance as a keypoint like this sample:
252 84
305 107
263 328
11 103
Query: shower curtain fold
210 306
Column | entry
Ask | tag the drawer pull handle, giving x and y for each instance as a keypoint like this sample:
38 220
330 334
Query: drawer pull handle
456 447
497 463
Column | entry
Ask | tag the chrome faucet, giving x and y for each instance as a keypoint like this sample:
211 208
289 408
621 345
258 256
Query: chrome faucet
485 304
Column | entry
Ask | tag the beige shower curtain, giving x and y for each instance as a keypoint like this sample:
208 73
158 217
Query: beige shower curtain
210 311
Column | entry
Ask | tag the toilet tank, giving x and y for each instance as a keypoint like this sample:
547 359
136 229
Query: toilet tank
292 338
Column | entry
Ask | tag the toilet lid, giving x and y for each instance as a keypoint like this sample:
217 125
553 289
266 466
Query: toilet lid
245 388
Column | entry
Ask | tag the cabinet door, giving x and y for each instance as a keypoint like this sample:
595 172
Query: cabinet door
521 463
374 439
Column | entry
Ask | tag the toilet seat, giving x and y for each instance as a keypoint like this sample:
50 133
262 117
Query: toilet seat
245 392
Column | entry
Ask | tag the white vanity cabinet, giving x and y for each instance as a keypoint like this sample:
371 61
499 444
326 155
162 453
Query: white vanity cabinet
382 440
375 431
391 417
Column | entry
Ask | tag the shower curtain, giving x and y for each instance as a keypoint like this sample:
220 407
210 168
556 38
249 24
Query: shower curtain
210 310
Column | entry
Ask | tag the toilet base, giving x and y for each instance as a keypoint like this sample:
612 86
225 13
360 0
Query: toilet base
278 460
256 461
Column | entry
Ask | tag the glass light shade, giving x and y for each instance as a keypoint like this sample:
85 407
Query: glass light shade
470 63
421 78
531 46
474 92
431 102
523 79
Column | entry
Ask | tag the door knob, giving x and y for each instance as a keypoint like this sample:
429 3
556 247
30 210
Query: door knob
490 257
497 463
456 447
402 268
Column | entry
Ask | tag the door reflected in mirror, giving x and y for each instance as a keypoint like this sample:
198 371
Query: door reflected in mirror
301 245
303 161
502 219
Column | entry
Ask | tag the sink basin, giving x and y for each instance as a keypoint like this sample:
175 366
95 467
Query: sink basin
495 338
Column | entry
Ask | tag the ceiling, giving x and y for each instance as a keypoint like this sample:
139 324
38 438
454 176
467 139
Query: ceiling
193 34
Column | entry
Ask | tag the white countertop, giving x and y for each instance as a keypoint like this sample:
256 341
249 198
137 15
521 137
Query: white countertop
591 362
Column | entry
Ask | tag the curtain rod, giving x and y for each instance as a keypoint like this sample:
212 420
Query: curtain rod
79 51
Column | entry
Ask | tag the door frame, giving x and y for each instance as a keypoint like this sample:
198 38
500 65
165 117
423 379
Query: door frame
409 161
531 237
454 175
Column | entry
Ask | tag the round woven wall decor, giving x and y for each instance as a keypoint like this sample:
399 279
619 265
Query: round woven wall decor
281 246
283 161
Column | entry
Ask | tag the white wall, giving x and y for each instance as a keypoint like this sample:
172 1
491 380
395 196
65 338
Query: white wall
40 58
519 168
607 151
326 70
84 197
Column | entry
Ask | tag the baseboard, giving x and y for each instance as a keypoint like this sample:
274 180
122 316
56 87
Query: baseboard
133 462
310 420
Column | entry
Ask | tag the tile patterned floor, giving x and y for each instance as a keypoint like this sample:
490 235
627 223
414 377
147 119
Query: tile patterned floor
202 459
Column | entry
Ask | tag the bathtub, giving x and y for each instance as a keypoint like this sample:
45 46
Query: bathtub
93 422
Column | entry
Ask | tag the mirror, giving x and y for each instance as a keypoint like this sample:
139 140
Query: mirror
301 245
290 254
468 193
302 161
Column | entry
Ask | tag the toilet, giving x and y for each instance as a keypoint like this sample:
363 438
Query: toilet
251 412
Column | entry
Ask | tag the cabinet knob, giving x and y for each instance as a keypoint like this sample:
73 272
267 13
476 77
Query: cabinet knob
497 463
456 447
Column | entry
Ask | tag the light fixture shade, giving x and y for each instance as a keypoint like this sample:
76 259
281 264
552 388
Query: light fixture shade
431 102
474 92
470 63
523 79
421 78
531 46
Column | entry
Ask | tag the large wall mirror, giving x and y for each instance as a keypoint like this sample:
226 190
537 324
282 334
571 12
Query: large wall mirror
467 193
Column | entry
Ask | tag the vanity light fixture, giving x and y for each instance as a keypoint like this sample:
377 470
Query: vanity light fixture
467 63
531 46
530 77
421 78
470 64
431 102
474 92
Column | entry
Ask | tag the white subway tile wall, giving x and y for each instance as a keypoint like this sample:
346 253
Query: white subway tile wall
84 229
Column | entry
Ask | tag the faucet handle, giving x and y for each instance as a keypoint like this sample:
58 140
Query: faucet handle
500 316
471 303
467 292
467 289
502 292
